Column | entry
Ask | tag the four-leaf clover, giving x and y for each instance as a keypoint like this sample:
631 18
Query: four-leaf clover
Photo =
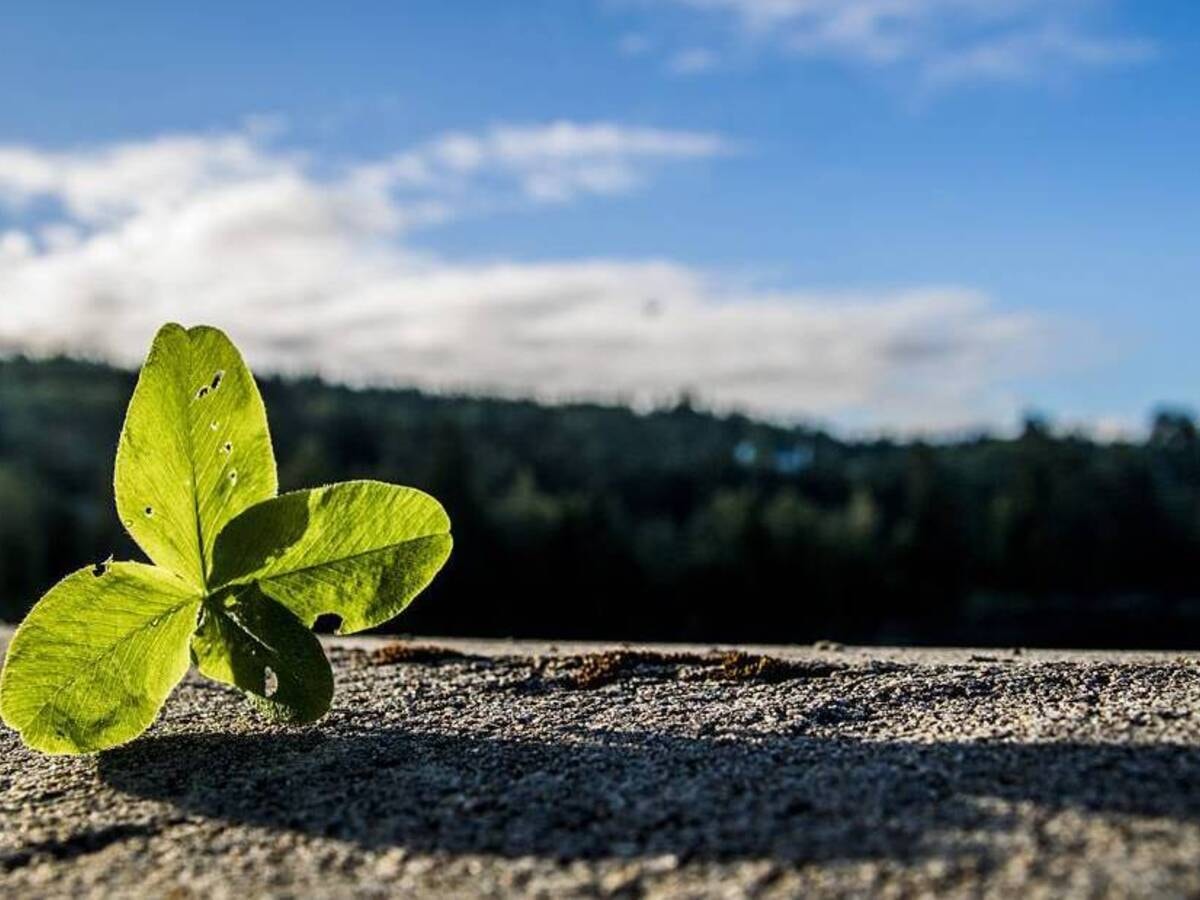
239 576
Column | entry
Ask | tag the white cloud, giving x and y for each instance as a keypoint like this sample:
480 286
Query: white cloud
313 274
545 163
1030 55
940 40
634 44
692 61
141 176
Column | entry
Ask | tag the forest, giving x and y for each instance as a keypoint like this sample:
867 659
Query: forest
593 521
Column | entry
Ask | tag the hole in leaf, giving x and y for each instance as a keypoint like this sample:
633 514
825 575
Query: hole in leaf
270 682
233 476
228 448
200 393
327 624
149 511
101 568
217 376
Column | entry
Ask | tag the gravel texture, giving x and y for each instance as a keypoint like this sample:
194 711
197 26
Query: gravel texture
498 769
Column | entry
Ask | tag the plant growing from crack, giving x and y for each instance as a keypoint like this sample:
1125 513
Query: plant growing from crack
240 574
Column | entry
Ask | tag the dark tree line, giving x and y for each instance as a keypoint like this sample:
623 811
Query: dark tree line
592 521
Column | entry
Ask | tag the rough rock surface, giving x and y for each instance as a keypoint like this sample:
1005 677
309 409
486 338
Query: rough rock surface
523 769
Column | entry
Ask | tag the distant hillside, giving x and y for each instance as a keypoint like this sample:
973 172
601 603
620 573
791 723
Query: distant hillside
592 521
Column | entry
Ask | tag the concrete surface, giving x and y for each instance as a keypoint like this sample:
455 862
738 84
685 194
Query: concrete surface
523 769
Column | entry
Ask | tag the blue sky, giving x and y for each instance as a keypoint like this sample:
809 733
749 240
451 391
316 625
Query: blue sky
896 214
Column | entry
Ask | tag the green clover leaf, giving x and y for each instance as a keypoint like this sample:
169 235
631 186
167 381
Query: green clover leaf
240 574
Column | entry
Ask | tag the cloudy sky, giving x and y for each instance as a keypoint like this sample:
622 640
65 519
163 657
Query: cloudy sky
913 215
